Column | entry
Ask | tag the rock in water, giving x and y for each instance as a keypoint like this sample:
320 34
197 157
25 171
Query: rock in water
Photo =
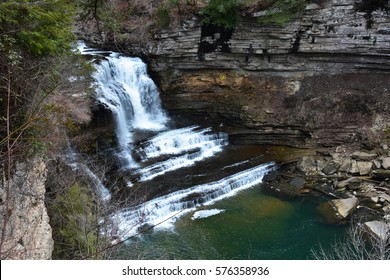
337 210
378 229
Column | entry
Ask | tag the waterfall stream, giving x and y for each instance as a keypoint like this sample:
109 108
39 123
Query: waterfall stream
197 190
124 88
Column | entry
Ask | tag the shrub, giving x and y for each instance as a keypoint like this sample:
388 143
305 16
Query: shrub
222 13
163 18
283 11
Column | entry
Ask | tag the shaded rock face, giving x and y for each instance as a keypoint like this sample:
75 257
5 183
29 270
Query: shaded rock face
324 109
28 234
322 79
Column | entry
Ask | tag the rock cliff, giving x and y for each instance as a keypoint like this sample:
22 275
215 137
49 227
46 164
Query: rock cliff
28 234
323 79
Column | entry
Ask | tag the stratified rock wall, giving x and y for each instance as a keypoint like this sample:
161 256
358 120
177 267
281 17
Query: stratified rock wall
28 234
323 79
334 33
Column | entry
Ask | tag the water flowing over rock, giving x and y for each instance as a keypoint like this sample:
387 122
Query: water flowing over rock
152 149
162 212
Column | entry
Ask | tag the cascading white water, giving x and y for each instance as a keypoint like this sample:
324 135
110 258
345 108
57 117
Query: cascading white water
162 212
72 160
191 144
123 86
177 141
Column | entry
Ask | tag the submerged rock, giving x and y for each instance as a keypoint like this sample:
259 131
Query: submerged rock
145 228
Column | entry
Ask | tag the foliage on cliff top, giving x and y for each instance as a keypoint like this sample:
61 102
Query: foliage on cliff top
281 12
222 13
226 14
37 27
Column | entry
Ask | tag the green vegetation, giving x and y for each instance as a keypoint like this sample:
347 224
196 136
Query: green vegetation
163 18
281 12
227 13
37 27
74 224
222 13
36 93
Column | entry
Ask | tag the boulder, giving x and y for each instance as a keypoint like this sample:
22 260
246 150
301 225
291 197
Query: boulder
364 167
282 189
381 174
386 209
345 164
353 181
386 163
384 197
307 165
330 168
298 182
337 210
363 156
377 163
353 169
380 230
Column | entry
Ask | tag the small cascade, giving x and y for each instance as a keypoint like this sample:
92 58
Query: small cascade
162 212
71 159
184 146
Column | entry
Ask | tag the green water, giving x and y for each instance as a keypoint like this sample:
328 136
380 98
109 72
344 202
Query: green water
253 226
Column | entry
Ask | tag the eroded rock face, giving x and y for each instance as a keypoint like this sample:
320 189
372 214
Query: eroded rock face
322 79
326 32
28 233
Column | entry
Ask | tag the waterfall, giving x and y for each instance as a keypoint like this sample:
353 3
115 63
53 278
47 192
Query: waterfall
123 86
162 212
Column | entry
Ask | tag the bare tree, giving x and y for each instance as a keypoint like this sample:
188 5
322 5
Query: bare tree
359 244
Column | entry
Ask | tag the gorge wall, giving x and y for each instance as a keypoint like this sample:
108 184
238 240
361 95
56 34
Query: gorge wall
27 232
321 80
